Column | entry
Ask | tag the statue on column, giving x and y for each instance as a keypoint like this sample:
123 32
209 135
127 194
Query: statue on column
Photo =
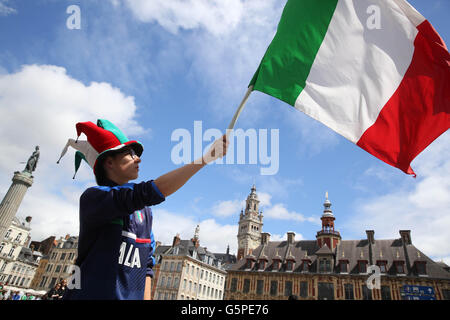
32 161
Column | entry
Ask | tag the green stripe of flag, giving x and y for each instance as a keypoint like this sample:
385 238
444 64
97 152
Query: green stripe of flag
287 62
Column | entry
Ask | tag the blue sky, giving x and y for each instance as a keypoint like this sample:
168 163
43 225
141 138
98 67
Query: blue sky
153 67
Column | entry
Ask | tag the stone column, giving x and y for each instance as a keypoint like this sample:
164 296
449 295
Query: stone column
13 198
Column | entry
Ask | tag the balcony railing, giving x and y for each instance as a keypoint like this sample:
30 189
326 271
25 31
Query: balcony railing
326 232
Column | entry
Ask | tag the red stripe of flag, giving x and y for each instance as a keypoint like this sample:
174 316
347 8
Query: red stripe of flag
419 110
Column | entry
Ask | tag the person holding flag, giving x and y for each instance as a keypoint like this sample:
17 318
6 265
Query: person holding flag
116 242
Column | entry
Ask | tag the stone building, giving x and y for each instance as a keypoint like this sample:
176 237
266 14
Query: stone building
187 271
59 263
250 226
332 268
16 238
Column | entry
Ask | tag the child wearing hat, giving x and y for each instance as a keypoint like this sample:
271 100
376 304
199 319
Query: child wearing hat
116 243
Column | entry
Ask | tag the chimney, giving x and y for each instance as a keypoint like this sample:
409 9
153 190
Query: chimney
176 240
265 237
370 236
290 237
406 236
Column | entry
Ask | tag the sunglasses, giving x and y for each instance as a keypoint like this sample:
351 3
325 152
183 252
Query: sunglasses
130 152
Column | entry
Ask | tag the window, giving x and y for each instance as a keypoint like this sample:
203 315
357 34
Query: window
385 293
179 267
348 288
288 288
246 285
8 233
259 287
58 268
43 281
249 263
172 266
11 252
324 265
163 282
303 289
276 265
262 264
399 267
421 267
18 237
63 256
382 266
233 285
344 266
305 266
290 265
273 288
49 268
367 293
169 282
362 265
52 283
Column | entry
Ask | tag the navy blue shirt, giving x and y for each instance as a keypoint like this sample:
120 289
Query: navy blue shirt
116 244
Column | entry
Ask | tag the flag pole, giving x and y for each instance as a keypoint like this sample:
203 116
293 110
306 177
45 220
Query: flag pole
239 110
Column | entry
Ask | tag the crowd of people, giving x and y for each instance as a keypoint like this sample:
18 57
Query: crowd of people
56 293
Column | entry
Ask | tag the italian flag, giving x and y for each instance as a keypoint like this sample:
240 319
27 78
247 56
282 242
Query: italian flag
374 71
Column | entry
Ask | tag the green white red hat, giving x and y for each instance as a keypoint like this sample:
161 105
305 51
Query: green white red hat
101 139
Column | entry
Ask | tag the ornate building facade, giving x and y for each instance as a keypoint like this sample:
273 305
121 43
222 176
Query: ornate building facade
187 271
250 226
17 262
58 264
332 268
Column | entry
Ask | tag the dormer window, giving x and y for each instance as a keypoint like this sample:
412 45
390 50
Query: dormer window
262 264
382 265
399 267
290 265
343 264
305 265
362 266
276 265
324 265
421 267
249 264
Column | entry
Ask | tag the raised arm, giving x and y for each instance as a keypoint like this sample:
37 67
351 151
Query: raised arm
175 179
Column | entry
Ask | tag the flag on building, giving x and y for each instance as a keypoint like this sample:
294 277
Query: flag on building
374 71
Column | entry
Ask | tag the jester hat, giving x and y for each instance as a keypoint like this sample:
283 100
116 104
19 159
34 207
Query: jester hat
101 139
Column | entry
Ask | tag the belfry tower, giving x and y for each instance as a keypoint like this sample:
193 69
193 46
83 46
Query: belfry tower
328 235
250 226
13 198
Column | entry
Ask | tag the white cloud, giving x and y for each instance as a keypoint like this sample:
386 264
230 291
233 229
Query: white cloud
40 105
215 16
280 212
5 9
279 237
422 205
212 235
227 208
